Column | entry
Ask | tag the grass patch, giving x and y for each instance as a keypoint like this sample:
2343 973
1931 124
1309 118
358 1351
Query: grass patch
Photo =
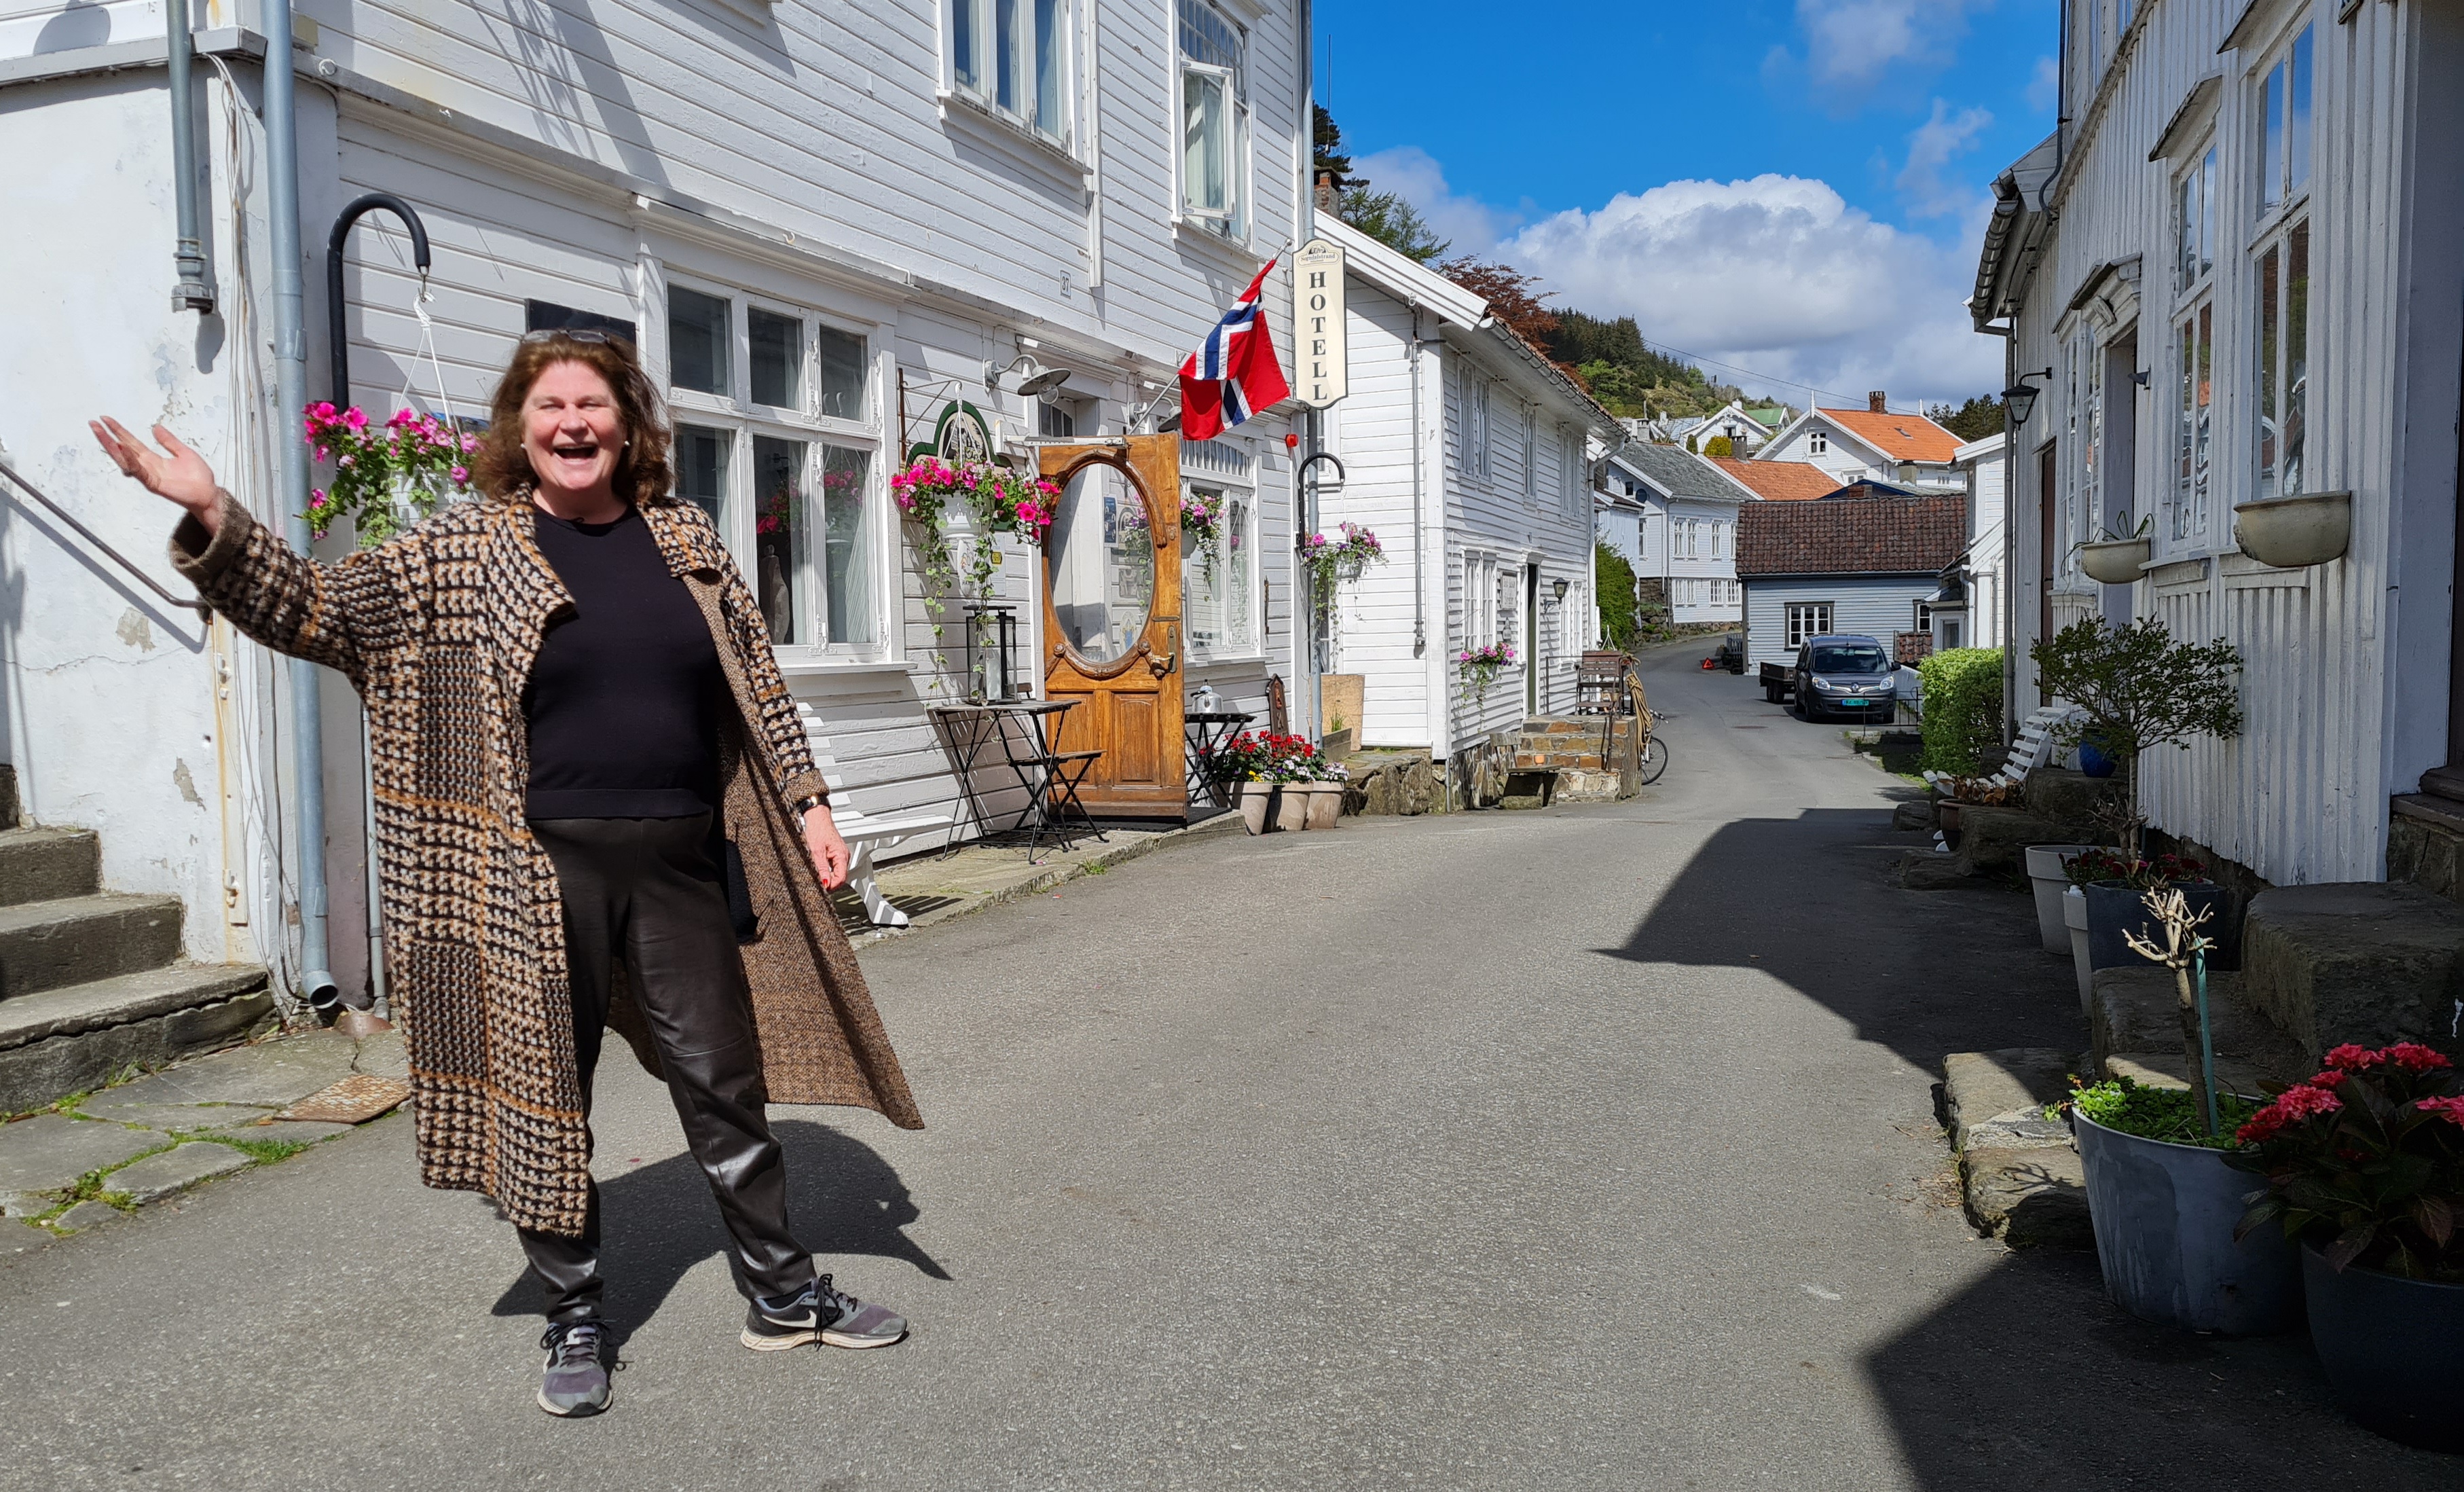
264 1151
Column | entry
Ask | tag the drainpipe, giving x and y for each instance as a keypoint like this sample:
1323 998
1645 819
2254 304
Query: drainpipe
1420 592
317 984
195 290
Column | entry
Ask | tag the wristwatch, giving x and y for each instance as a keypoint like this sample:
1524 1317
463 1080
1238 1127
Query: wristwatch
810 802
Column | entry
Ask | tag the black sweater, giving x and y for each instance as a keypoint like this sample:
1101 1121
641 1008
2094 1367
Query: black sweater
625 696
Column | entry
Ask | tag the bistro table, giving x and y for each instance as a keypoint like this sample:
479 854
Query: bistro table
1207 731
1024 728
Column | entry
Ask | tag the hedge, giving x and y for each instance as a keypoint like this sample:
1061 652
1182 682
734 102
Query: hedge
1963 708
1614 588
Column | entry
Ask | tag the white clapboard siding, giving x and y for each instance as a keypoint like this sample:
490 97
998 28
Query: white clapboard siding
1875 606
2345 673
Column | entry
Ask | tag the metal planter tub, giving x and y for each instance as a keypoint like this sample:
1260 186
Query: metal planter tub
2115 561
2393 1350
2116 910
2163 1216
2308 528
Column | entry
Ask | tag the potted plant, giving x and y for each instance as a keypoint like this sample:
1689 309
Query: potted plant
2365 1169
2117 559
1480 667
2075 928
385 477
2138 688
2115 888
933 495
1333 561
2048 878
2306 528
1246 761
1326 794
2162 1197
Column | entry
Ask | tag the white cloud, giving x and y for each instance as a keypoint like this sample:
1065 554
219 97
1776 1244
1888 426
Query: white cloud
2045 86
1932 146
1856 42
1468 224
1777 273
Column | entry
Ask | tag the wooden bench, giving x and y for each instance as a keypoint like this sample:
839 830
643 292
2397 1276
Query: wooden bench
864 832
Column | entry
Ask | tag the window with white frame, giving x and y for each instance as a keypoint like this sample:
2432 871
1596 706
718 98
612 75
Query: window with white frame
778 439
1570 494
1531 457
2193 341
1018 58
1807 619
1219 581
1475 424
1818 443
1481 582
2281 270
1214 118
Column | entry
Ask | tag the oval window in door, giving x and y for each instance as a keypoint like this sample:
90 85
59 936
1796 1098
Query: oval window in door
1099 559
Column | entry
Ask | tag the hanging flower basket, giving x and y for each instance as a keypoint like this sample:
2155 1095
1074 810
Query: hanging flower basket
385 477
1480 666
1201 527
2114 561
996 500
2311 528
1338 562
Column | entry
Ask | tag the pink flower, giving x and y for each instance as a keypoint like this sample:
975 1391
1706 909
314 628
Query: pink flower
2413 1056
316 499
401 418
462 476
355 418
2328 1079
324 455
2351 1057
322 409
470 443
2450 1110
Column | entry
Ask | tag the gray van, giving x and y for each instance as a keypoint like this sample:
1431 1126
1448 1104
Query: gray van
1847 674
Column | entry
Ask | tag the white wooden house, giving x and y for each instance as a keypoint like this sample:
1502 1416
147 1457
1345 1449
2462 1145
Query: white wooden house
2237 272
1905 450
837 231
1970 608
1688 533
1464 452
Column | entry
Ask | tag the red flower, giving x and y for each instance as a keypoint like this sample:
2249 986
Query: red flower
2291 1107
2328 1079
2450 1110
2350 1058
2413 1056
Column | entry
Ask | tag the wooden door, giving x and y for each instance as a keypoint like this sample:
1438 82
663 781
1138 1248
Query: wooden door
1111 619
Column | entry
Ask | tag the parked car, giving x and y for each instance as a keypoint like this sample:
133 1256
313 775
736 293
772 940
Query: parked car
1845 674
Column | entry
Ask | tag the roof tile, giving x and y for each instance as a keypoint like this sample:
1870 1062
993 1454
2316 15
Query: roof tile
1851 535
1901 437
1781 481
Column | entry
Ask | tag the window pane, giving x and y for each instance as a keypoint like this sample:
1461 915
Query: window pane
2185 405
1205 149
2268 290
781 539
2296 123
778 359
843 370
1203 577
698 340
965 46
1006 45
1238 584
1207 36
2186 227
701 468
846 523
1052 420
1049 42
2270 155
2206 375
2207 210
2290 436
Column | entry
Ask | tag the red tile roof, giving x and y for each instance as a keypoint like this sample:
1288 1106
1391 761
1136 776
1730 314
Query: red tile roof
1781 481
1901 437
1851 535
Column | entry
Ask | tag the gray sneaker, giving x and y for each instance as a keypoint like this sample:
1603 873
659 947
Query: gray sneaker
820 1314
578 1357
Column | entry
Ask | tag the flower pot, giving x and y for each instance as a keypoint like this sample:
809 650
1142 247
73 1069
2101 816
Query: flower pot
2074 923
1324 804
2311 528
2163 1216
2114 911
1258 806
1291 806
2393 1350
2047 878
2094 762
2115 561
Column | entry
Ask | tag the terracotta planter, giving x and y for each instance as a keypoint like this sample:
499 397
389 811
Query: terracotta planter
1324 804
1291 806
1258 806
2115 561
2309 528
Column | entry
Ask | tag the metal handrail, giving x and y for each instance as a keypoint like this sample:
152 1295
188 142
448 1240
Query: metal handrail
9 470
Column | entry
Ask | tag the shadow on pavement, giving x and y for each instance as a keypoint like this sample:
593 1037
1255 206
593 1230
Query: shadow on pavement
658 1221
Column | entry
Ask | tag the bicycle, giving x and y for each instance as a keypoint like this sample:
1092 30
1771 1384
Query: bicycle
1651 752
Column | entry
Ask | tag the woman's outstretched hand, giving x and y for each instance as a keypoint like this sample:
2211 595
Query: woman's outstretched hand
176 471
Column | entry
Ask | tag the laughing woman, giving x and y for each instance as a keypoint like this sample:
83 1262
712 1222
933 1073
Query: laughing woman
579 730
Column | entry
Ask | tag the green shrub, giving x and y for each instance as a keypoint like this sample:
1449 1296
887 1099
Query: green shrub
1615 586
1963 708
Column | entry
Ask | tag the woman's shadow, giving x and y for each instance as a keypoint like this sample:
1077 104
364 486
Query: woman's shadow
658 1221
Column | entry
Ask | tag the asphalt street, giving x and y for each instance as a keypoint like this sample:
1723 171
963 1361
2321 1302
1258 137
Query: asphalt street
1585 1147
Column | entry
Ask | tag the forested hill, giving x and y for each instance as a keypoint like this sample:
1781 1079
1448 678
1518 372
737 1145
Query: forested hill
1628 378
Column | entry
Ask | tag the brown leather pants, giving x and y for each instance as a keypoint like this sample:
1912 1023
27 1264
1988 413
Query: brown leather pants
645 894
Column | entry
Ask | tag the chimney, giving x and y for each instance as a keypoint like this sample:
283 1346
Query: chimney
1874 401
1327 196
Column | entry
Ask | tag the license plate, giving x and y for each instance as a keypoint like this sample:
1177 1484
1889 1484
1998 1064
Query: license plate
1854 701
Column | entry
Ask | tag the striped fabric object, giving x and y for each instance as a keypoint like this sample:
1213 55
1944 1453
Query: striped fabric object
437 630
1233 374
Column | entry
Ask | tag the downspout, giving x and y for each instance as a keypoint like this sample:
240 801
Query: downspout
1420 588
317 984
195 290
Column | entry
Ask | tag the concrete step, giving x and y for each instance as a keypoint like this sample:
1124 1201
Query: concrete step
64 1040
45 945
2444 782
2366 961
48 865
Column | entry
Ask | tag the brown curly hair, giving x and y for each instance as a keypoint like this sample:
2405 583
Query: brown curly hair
502 469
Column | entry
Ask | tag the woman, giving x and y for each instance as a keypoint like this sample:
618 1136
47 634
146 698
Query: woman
578 729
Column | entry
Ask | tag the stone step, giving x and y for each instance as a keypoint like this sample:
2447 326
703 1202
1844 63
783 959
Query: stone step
64 1040
45 945
2366 961
2135 1018
2020 1177
48 865
2444 782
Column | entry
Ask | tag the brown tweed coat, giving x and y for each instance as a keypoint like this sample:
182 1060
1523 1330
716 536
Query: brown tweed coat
438 629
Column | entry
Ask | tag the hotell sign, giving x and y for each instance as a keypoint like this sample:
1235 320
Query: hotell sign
1317 311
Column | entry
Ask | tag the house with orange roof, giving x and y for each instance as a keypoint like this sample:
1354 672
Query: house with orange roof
1778 481
1905 450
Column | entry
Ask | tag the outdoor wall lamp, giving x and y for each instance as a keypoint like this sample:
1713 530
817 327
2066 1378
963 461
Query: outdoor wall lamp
2021 399
1560 587
1043 383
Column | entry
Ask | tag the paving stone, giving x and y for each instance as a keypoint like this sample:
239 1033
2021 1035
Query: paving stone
2006 1087
304 1130
1996 839
173 1116
384 1055
2136 1010
2030 1198
1912 816
47 1152
19 1238
158 1176
273 1073
2069 797
87 1215
1923 870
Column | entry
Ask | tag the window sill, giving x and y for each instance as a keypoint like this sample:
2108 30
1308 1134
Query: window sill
808 666
1234 252
1198 661
988 126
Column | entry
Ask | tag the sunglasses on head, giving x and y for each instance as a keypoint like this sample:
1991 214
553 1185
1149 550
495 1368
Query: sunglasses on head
550 334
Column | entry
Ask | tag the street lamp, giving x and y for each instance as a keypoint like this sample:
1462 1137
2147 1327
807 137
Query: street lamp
2021 399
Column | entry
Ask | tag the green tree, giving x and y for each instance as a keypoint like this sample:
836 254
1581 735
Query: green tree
1614 584
2138 688
1720 445
1385 216
1330 157
1974 420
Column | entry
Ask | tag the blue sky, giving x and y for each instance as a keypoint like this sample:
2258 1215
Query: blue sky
1793 185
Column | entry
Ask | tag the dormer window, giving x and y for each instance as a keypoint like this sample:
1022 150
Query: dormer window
1818 443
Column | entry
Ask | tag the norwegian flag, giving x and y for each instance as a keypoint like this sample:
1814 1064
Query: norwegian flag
1232 375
